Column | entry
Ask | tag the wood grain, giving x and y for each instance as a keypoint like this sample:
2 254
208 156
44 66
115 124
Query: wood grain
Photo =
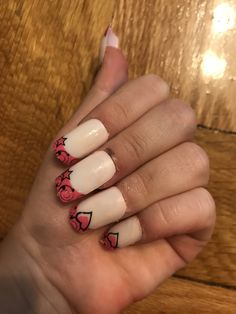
178 296
48 57
217 263
176 40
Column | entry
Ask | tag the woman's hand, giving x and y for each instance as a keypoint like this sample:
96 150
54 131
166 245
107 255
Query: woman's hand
133 161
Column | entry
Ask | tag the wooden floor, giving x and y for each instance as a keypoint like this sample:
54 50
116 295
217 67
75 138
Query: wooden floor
48 57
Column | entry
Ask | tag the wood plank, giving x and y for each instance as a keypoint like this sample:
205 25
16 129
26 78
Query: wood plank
47 60
180 296
48 57
217 263
178 40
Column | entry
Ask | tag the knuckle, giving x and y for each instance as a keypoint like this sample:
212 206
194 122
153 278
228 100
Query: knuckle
135 187
199 160
118 111
206 206
135 145
183 114
156 84
164 211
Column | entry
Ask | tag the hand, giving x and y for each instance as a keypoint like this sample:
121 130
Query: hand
145 171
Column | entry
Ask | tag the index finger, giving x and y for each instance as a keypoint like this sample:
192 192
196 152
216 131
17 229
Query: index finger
113 115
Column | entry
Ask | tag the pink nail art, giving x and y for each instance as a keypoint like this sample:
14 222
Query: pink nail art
65 191
85 176
80 221
62 154
110 240
80 141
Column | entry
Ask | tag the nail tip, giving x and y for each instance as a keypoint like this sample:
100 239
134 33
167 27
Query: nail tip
76 225
61 154
105 245
110 39
107 29
65 192
108 243
73 225
65 198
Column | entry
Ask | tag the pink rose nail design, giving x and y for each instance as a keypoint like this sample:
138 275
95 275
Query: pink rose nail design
65 191
110 241
80 221
61 153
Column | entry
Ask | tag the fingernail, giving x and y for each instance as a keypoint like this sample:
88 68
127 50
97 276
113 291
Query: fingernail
109 40
85 176
81 141
98 210
123 234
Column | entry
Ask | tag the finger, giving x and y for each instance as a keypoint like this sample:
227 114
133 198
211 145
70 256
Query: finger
111 76
113 73
112 116
183 168
192 213
187 213
163 127
155 261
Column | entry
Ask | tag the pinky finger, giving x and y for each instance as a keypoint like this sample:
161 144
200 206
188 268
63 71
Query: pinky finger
191 213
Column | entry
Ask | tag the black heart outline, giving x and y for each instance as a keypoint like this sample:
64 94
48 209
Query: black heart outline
85 213
117 237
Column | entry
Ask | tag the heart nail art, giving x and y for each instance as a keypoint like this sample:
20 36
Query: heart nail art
124 233
80 221
110 241
62 154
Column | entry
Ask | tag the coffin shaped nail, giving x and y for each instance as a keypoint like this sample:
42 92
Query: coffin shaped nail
85 176
81 141
98 210
125 233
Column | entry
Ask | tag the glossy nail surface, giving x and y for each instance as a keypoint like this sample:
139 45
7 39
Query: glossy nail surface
98 210
123 234
85 176
109 40
81 141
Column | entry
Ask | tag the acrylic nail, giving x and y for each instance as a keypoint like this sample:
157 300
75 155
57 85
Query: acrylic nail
109 40
98 210
123 234
85 176
81 141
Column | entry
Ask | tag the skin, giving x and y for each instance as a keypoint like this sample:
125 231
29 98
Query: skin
46 267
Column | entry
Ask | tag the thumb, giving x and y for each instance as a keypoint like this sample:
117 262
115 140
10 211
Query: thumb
112 74
114 70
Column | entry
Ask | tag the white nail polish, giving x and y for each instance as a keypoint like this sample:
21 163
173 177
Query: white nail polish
109 40
123 234
86 138
81 141
98 210
92 172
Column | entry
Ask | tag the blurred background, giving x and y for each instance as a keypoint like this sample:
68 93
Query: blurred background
48 57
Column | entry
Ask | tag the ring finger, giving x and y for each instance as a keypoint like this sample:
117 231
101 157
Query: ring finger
180 169
192 213
160 129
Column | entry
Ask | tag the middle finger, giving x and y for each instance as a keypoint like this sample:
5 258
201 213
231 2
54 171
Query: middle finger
160 129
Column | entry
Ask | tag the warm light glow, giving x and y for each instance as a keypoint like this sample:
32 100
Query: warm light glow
224 18
213 66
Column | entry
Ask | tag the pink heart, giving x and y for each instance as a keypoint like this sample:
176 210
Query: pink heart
113 239
84 218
